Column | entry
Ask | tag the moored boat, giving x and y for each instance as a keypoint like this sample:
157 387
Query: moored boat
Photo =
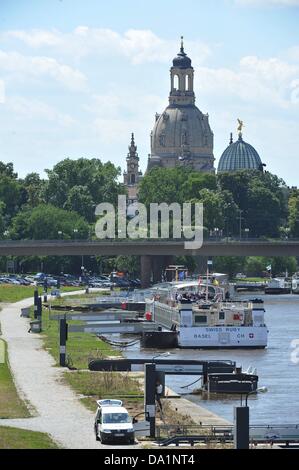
204 323
278 285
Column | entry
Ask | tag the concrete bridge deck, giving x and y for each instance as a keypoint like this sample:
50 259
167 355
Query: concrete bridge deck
253 247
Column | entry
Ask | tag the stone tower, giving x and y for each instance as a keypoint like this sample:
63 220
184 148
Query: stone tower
132 175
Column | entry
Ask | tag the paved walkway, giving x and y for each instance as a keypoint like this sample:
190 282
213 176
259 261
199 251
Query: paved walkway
56 407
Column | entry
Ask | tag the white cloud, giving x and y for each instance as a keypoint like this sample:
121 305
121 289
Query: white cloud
36 66
115 115
23 108
139 46
2 91
268 2
269 81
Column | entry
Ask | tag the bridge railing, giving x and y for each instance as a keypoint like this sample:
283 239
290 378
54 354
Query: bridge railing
149 240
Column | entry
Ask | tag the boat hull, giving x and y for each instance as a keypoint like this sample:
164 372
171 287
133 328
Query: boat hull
277 290
226 337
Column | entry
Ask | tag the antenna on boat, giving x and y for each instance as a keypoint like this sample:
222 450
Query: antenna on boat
209 263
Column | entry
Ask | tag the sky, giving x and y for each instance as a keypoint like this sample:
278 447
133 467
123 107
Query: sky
78 76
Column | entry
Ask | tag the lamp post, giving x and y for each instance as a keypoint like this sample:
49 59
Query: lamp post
75 231
240 223
246 230
59 234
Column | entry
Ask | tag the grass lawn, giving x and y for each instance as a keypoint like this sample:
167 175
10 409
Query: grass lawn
91 385
11 406
13 438
11 293
98 385
80 346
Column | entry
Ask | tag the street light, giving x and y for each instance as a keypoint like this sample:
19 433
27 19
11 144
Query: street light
240 223
253 392
246 230
75 232
60 233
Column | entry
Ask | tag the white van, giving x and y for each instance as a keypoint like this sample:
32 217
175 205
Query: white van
113 423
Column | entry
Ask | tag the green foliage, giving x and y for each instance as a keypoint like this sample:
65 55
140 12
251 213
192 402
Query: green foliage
33 186
11 406
14 438
229 264
178 184
262 198
46 221
129 264
293 220
82 184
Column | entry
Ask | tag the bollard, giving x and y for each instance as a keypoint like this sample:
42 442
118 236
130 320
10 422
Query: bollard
39 307
62 341
241 427
150 396
35 302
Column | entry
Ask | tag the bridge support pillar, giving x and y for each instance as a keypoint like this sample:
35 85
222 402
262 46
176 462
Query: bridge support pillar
146 270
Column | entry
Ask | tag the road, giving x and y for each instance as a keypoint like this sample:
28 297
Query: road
55 407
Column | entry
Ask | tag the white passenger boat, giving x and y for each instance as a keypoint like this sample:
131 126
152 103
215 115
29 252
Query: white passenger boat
202 323
295 284
278 285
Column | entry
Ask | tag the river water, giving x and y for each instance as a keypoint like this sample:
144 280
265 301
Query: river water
275 367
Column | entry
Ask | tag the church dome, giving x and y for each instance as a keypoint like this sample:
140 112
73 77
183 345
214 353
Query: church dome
182 127
239 155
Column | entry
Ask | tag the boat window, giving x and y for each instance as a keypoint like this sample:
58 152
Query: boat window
221 315
200 319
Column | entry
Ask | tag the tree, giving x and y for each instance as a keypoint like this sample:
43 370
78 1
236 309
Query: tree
98 179
229 264
263 212
7 169
80 200
262 198
178 184
33 186
44 222
128 264
255 265
10 195
293 220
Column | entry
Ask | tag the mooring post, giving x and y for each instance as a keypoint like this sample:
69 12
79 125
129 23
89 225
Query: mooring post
62 341
241 427
39 308
35 309
150 396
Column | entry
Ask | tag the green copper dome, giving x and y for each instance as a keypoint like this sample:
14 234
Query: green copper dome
240 155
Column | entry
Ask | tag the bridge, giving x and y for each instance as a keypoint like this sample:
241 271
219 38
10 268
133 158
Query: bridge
155 254
223 247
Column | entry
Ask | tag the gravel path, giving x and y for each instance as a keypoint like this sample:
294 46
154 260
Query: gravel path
56 407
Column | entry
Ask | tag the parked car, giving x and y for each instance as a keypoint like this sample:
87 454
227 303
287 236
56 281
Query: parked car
113 422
